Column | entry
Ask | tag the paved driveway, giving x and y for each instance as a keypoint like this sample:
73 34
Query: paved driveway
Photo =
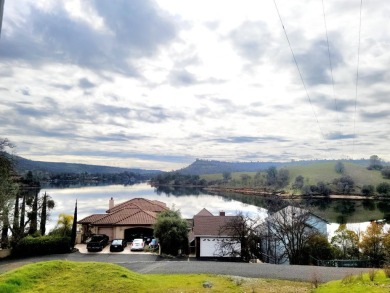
83 249
147 263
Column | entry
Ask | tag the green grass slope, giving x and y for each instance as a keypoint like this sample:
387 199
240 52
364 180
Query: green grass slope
320 171
326 172
358 284
80 277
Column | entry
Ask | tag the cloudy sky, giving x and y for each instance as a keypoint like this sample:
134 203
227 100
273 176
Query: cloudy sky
157 84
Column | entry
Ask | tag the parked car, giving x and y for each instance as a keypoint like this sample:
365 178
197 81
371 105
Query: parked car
138 244
153 244
118 245
97 242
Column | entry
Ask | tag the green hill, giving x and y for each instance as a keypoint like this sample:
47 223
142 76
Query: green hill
315 172
23 165
325 172
203 167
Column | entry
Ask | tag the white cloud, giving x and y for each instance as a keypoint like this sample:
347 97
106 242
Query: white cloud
145 83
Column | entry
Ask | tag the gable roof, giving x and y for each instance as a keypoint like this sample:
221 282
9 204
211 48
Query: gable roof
92 218
293 210
203 213
210 225
137 211
141 203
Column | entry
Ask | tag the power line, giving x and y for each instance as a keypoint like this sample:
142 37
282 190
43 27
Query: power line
330 63
357 80
299 71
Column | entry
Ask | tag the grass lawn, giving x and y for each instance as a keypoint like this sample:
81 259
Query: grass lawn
67 276
358 284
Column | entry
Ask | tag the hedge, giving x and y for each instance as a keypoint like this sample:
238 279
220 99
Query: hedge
30 246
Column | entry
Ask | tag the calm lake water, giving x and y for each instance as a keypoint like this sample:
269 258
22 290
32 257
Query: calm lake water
94 200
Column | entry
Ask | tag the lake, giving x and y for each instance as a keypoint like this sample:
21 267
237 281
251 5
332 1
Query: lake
94 200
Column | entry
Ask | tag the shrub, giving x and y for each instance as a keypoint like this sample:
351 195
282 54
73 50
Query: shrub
30 246
383 188
368 190
386 172
386 270
372 274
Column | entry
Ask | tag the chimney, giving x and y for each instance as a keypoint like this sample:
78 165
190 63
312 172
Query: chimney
111 203
222 213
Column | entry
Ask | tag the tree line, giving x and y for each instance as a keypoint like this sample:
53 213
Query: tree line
24 211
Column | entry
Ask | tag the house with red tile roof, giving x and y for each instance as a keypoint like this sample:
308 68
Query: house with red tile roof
128 220
208 233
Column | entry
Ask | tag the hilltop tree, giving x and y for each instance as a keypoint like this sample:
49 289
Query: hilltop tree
283 177
375 163
227 176
272 176
171 231
275 178
298 184
339 167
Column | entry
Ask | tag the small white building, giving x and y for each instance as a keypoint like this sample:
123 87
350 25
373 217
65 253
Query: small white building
207 236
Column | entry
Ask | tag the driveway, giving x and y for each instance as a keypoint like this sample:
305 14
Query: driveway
83 249
148 263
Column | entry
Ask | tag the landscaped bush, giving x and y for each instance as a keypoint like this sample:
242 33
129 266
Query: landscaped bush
30 246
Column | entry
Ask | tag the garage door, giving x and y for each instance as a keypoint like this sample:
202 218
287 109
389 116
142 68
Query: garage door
107 231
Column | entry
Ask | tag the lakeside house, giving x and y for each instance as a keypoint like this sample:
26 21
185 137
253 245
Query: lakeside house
128 220
207 238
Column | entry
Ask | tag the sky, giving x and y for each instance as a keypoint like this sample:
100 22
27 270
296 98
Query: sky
158 84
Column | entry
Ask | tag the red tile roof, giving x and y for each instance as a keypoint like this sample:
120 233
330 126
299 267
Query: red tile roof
137 211
91 218
140 218
141 203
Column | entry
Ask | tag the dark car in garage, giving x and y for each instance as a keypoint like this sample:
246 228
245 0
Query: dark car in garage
97 242
118 245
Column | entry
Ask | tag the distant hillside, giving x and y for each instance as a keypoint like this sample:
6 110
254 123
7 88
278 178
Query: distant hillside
23 165
202 167
326 172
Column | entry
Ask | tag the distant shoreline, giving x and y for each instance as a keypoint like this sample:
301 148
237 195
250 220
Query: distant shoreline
253 191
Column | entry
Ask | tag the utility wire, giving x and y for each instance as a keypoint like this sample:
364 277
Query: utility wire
357 80
299 71
330 64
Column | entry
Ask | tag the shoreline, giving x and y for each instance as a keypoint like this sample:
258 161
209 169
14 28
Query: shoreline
262 192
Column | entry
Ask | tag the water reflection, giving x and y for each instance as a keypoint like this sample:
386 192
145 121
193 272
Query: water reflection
94 199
